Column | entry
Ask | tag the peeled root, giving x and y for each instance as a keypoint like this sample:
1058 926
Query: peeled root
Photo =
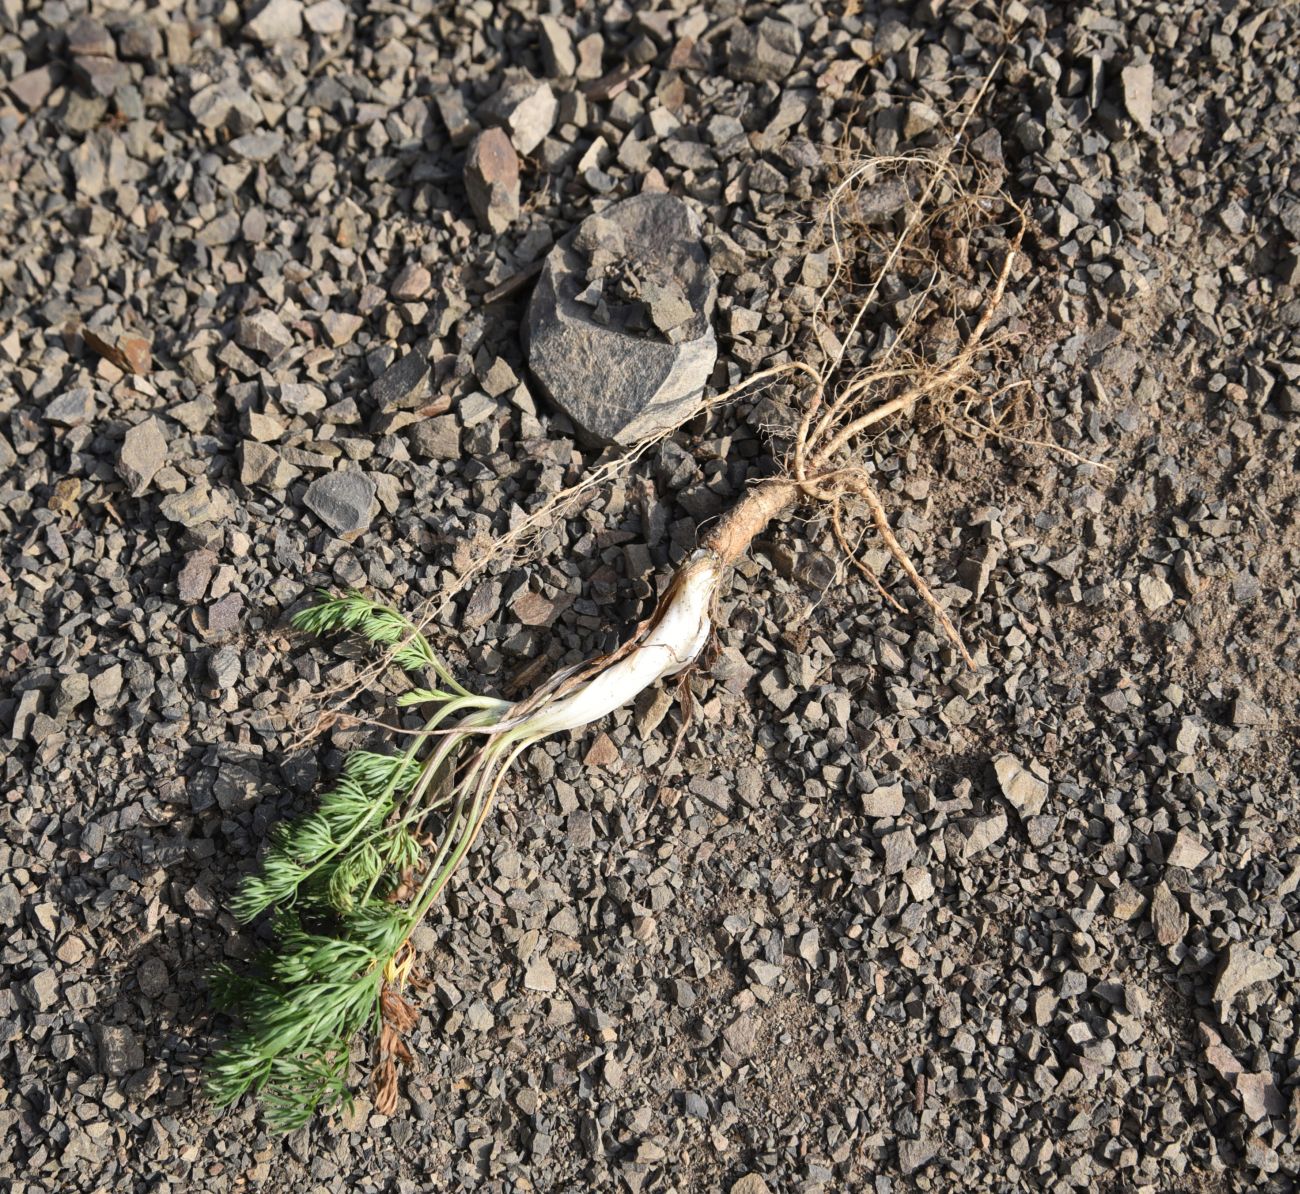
667 643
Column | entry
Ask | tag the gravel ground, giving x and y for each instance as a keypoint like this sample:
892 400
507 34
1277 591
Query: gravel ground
882 924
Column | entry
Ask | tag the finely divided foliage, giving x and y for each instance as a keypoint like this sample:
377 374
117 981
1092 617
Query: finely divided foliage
336 882
380 624
348 884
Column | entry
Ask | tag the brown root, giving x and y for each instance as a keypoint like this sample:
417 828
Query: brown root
837 529
861 487
731 538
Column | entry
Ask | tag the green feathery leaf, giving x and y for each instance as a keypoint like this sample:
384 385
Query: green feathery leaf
400 849
286 1028
359 869
377 623
298 1087
368 791
329 877
420 696
380 774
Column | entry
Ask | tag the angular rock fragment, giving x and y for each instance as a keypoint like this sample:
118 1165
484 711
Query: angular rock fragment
144 452
73 689
326 18
1022 788
476 408
1167 916
300 398
265 468
526 108
594 335
195 575
900 848
877 203
1187 736
89 169
106 686
1187 851
976 571
499 378
42 989
263 332
1138 83
32 87
988 147
492 180
461 127
918 119
1259 1095
916 1154
437 438
557 49
72 409
139 39
885 801
1154 592
129 351
1245 712
411 284
539 976
766 52
741 1035
259 146
94 58
340 326
1126 902
1242 967
25 711
344 502
404 384
226 104
277 20
981 832
195 506
224 615
87 36
120 1051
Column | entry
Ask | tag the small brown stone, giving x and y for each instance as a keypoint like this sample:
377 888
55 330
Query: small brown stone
1259 1096
32 87
224 615
340 326
603 752
195 575
411 284
532 609
1167 916
129 351
64 498
137 351
492 179
1242 967
1187 851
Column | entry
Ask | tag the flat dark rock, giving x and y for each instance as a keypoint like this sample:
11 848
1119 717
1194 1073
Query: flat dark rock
619 386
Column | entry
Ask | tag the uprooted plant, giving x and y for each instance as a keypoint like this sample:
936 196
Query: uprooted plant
348 884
